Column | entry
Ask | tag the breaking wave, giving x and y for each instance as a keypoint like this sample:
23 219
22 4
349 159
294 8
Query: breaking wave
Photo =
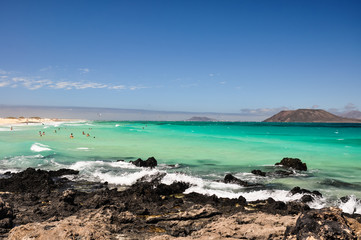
38 147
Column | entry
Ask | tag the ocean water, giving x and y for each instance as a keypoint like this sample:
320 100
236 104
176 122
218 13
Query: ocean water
200 153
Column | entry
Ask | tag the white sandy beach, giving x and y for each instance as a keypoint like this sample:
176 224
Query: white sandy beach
24 120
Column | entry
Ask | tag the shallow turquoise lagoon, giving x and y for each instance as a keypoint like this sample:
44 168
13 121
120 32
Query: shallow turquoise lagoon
197 152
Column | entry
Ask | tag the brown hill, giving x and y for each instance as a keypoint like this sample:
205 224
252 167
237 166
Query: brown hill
309 115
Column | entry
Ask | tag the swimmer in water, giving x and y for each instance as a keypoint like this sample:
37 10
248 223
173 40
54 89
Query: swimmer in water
71 135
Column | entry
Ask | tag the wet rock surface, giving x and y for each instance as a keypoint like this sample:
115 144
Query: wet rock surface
57 207
298 190
150 162
229 178
258 173
293 163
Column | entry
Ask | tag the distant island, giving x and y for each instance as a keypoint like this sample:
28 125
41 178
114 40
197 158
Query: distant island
201 119
309 115
352 114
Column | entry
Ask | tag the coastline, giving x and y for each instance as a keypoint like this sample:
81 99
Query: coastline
26 120
158 204
37 204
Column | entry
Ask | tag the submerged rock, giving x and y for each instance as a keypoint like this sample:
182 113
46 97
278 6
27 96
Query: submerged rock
339 183
229 178
258 173
294 163
150 162
281 173
298 190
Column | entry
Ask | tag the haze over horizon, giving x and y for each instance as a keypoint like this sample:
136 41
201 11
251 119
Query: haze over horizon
245 57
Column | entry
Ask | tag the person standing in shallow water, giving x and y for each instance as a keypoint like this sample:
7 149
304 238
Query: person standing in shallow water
71 135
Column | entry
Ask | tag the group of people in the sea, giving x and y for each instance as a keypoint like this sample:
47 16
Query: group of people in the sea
71 134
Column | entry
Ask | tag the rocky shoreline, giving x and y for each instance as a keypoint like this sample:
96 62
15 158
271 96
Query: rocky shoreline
38 204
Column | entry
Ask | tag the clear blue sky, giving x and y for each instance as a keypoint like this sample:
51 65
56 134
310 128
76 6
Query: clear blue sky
219 56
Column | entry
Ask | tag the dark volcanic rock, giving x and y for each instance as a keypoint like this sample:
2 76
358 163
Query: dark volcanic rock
258 173
282 173
306 198
145 210
150 162
174 188
272 206
6 216
294 163
62 172
327 223
299 190
68 196
32 180
229 178
345 199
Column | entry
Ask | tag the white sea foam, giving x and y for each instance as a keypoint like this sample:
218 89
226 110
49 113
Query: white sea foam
278 195
13 170
125 178
93 165
86 165
83 148
318 203
218 193
121 164
181 177
38 147
23 162
203 186
249 177
220 189
353 205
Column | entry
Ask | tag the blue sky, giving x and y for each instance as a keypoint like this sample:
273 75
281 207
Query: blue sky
203 56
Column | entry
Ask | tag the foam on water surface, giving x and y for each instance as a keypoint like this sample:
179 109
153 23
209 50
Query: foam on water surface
352 205
38 147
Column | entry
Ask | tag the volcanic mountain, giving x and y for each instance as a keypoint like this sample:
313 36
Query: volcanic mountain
309 115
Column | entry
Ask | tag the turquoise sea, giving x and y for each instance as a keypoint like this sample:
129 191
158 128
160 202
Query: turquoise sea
200 153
